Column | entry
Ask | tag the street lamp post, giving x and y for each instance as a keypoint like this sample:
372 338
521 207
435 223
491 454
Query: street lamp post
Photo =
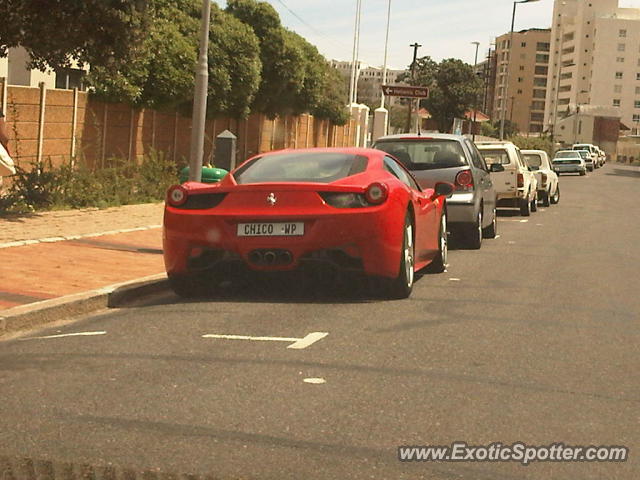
415 47
386 50
200 98
475 103
506 88
353 85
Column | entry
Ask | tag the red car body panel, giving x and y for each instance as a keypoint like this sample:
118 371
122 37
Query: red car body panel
373 234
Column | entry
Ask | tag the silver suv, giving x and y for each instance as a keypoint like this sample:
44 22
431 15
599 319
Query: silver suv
432 158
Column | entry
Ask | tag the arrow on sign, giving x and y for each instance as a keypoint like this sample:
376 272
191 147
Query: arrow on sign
298 343
409 92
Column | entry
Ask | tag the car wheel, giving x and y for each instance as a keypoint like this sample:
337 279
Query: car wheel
546 198
402 286
582 173
534 204
492 230
556 196
439 263
473 233
525 207
188 285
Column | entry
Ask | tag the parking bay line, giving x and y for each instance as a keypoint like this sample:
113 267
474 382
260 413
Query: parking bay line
298 343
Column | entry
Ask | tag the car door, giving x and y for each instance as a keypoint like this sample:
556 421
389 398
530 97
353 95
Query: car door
481 172
426 223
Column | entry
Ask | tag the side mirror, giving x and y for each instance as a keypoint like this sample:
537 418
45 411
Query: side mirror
443 189
496 167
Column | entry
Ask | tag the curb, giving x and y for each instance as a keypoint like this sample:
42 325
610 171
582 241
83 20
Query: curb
39 314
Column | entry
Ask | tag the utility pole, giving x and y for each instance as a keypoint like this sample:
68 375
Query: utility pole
415 47
353 85
475 103
200 98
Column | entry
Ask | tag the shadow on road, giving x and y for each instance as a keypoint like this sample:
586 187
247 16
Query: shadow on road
619 172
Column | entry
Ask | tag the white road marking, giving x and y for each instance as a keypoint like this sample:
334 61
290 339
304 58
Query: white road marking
539 224
498 236
298 343
454 279
524 221
512 242
315 381
79 334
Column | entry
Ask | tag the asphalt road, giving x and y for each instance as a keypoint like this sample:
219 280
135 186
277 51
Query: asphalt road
534 339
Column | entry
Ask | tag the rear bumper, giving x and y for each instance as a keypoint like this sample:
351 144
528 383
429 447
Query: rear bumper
369 240
570 169
462 208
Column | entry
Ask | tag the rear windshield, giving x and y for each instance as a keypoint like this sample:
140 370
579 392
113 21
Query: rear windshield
425 154
496 156
568 154
312 167
582 147
534 160
584 154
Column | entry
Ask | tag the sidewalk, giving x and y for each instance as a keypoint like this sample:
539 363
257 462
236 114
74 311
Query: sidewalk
54 254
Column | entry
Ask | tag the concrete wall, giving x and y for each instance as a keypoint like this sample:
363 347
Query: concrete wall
41 127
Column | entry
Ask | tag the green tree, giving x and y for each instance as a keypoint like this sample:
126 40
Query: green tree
534 143
98 32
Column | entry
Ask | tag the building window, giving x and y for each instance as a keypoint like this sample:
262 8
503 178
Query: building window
621 47
622 34
636 118
519 79
519 92
617 88
521 68
540 82
542 58
620 59
618 75
537 105
542 70
637 90
636 104
637 76
523 44
543 46
616 102
539 94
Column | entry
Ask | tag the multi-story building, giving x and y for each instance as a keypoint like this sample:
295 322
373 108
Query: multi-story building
486 71
370 82
523 102
595 64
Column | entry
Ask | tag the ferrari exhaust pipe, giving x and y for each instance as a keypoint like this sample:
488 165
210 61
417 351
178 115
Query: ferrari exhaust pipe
255 257
270 258
286 257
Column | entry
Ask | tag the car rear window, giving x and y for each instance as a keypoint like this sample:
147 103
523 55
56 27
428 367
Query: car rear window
425 154
315 167
568 154
496 156
534 160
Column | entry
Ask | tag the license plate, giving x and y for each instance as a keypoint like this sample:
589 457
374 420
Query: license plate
292 229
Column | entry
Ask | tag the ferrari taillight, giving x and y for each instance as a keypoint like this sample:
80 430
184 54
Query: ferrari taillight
177 196
520 180
376 193
464 180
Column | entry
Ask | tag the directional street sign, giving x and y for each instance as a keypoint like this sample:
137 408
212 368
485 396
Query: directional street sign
408 92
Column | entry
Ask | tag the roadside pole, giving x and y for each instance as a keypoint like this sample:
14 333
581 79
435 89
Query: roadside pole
415 47
200 99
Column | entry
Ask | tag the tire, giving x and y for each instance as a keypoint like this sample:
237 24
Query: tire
534 204
582 173
188 285
546 198
492 230
439 263
472 234
555 199
591 169
402 286
525 207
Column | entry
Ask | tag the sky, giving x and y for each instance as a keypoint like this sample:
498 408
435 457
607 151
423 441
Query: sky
444 28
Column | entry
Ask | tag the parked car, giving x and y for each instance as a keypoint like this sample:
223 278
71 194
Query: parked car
569 161
592 149
433 158
343 208
516 186
589 160
548 184
602 155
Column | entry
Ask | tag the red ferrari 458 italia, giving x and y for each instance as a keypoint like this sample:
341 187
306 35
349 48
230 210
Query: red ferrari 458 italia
353 209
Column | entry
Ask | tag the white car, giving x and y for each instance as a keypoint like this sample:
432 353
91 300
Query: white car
516 186
569 161
592 149
548 184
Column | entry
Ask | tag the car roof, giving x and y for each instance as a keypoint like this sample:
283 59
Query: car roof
533 151
423 136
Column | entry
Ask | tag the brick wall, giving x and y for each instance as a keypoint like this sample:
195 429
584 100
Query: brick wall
41 126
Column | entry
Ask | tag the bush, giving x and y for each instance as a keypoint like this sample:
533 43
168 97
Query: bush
534 143
47 187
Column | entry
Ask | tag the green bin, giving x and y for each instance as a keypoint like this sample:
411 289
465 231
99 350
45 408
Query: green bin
209 175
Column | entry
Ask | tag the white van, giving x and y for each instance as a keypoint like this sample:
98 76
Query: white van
592 149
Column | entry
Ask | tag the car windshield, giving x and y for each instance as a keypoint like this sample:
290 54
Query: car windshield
425 154
496 156
325 167
584 154
534 160
568 154
582 147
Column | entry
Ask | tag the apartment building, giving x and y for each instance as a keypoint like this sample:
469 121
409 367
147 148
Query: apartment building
369 82
523 101
594 64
